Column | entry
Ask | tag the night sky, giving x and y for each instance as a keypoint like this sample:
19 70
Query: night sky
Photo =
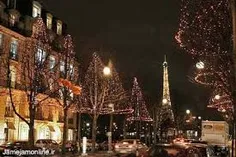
135 35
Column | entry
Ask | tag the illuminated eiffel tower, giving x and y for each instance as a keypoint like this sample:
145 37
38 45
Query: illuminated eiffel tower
166 115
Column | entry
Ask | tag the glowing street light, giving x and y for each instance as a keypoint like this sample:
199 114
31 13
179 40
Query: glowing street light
188 111
106 71
200 65
199 117
217 97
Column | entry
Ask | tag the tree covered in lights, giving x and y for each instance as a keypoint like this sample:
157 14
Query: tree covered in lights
67 81
34 75
140 113
205 32
43 85
100 90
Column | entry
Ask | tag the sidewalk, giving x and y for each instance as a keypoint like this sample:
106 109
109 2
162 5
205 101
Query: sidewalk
89 154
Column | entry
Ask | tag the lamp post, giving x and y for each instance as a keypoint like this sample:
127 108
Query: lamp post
109 134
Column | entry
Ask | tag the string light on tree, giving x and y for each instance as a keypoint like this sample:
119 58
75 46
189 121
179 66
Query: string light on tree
205 32
140 110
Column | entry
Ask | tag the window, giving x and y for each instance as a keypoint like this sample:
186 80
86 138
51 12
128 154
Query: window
1 40
24 130
8 108
62 68
70 135
13 49
36 12
49 21
13 76
40 55
71 94
61 93
52 62
59 27
51 82
12 19
71 70
11 3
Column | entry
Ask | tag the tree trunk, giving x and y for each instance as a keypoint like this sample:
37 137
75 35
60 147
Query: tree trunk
94 130
137 129
79 130
124 128
31 124
65 130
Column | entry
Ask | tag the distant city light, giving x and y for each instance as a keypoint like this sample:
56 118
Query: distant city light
87 124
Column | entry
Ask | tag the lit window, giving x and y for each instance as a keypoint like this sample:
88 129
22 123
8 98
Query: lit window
62 66
71 95
24 130
70 135
8 108
36 12
49 21
61 93
12 20
51 82
71 70
13 49
40 56
13 76
59 27
52 62
1 40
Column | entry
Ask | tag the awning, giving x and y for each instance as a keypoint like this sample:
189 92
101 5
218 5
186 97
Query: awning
51 128
10 125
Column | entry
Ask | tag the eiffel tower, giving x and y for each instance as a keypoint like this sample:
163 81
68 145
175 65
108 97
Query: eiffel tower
166 113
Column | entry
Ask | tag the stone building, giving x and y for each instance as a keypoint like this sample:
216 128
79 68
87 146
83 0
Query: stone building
16 27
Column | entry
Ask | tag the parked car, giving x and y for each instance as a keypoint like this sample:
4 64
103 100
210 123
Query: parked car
171 150
206 150
104 145
71 146
48 144
129 146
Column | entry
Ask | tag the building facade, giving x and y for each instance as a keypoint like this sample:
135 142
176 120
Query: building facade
16 28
